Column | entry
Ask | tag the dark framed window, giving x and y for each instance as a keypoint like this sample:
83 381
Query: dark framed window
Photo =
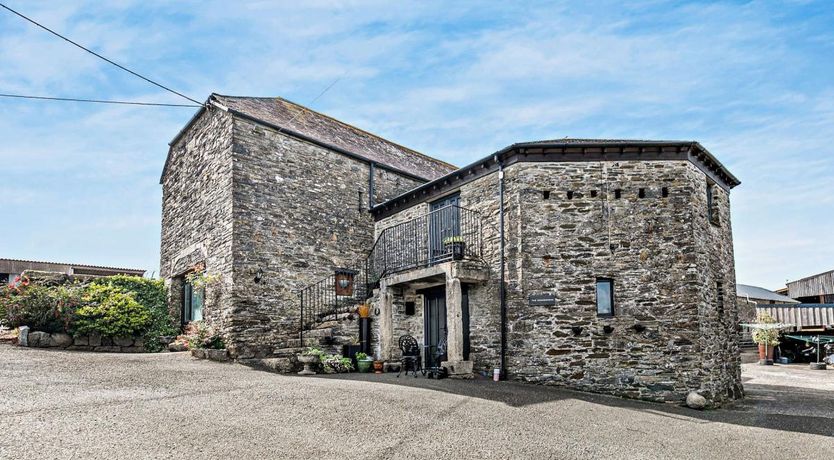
605 297
192 303
712 212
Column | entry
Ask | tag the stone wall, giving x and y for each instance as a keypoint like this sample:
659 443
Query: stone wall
717 311
197 213
641 223
97 343
300 211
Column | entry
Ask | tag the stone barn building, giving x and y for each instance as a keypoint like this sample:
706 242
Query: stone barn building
601 265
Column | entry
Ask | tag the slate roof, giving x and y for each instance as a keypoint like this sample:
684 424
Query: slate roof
295 118
755 292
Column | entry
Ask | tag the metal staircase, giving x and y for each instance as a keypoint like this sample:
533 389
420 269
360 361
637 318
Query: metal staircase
447 233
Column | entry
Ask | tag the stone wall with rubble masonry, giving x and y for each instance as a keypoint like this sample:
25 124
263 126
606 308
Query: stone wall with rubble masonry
93 342
197 213
657 348
717 311
300 211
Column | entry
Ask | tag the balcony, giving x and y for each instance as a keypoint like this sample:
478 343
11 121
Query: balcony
450 233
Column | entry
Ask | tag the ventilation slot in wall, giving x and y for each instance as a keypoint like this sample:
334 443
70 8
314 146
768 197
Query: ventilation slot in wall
618 194
641 193
546 194
570 194
664 192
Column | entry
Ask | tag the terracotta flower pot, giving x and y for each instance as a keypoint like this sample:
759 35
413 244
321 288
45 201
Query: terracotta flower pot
378 367
762 352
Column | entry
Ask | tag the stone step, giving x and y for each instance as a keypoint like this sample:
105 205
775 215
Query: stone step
283 365
319 332
308 342
287 352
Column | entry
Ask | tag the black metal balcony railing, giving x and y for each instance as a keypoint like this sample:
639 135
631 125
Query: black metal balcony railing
445 234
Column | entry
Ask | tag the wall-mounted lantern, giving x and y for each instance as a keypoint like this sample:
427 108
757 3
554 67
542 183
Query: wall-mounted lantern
344 282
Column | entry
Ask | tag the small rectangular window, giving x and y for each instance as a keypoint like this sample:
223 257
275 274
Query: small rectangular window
712 213
641 193
593 193
570 194
719 289
605 297
618 193
664 192
409 308
546 194
192 303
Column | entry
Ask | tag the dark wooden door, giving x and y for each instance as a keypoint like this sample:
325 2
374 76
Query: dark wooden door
434 317
444 222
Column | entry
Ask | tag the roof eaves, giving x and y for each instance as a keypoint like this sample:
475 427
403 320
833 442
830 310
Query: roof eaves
77 265
500 154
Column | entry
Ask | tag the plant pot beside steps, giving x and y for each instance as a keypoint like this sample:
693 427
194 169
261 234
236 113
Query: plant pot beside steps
308 361
364 362
364 365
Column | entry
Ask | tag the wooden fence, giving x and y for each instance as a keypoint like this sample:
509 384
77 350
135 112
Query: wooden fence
803 316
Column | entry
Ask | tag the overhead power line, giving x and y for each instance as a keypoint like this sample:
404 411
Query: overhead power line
100 56
96 101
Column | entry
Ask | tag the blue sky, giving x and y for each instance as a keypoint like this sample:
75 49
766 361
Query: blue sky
752 81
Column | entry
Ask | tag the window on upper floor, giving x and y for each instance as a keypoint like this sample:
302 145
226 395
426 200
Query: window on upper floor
712 211
605 297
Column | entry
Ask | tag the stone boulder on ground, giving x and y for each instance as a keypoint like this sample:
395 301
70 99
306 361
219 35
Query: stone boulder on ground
696 401
39 339
60 339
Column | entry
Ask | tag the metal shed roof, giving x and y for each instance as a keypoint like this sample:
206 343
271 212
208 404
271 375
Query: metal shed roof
756 292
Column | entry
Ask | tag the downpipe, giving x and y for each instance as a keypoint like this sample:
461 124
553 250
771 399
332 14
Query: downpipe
502 294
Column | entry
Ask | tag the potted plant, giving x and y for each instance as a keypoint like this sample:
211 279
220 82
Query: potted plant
766 338
309 357
378 365
454 245
335 364
363 362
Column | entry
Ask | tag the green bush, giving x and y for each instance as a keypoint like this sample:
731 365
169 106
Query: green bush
33 306
151 294
112 312
111 306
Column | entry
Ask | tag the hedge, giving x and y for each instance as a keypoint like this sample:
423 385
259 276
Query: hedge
111 306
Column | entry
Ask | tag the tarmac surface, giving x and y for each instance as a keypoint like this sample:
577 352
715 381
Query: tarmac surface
60 404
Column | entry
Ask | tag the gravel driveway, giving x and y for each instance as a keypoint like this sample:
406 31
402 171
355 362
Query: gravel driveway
58 404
